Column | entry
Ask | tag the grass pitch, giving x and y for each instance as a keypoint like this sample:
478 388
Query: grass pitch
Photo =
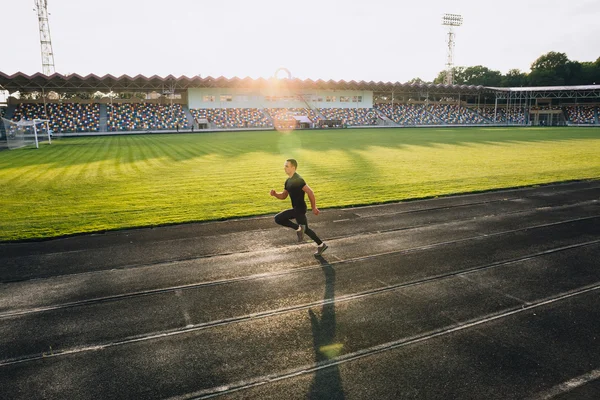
101 183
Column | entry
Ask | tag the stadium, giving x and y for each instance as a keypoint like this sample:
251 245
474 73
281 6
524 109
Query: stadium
142 254
92 104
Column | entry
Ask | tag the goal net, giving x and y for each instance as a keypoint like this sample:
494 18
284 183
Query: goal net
25 133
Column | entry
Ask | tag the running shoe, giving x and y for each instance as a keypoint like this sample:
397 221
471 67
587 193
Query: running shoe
300 233
321 249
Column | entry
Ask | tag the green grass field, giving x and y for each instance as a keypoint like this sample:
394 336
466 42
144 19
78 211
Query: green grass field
101 183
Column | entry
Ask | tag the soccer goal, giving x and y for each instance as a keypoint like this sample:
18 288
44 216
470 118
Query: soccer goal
26 133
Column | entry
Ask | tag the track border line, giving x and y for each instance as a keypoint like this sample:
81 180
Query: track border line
213 255
291 373
192 286
282 311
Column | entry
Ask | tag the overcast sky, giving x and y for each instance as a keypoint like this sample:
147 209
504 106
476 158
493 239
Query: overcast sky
379 40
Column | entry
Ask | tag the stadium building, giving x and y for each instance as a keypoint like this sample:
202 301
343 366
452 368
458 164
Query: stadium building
80 105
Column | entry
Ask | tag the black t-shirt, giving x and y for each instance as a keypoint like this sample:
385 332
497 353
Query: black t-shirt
294 187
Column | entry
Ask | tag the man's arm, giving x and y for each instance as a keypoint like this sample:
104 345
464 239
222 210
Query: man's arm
281 196
311 197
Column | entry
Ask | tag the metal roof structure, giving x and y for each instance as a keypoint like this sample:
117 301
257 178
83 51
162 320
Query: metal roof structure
75 83
581 91
91 83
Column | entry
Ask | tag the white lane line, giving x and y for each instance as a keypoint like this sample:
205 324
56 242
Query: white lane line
341 220
186 314
568 385
377 349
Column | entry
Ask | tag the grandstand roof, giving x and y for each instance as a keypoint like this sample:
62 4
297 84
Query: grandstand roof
91 83
546 88
75 83
581 91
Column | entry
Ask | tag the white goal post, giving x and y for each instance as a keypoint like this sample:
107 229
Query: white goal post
26 132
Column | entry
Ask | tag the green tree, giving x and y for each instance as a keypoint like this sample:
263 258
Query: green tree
480 75
545 77
590 73
550 61
416 80
514 78
553 69
441 78
458 75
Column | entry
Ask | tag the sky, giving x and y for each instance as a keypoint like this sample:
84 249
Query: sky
375 40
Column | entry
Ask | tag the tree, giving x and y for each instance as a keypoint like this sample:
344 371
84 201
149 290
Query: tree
441 78
550 61
514 78
545 77
573 73
480 75
550 69
590 73
416 80
553 69
458 75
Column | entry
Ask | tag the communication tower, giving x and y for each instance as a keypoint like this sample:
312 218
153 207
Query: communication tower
451 20
41 6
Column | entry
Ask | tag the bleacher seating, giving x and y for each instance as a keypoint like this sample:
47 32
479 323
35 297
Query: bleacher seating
454 114
145 116
63 117
408 114
233 117
283 118
76 117
515 115
351 116
581 114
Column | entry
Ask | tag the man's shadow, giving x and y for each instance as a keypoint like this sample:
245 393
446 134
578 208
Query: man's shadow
327 384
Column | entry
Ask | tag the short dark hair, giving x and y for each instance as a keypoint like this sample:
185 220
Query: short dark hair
293 162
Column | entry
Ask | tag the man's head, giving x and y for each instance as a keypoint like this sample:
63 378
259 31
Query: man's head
290 166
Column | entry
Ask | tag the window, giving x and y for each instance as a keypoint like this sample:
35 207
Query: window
330 99
344 99
209 99
226 97
241 98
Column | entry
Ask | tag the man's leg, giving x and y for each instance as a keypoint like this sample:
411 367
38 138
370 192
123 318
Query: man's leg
311 234
283 218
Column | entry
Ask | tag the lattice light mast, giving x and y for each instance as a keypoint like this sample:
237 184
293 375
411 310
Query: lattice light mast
41 6
451 20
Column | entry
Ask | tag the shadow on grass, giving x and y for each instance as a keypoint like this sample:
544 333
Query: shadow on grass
180 147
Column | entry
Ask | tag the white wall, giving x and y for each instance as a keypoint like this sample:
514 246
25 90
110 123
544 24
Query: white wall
257 98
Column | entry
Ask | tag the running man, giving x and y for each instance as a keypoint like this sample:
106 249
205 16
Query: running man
295 186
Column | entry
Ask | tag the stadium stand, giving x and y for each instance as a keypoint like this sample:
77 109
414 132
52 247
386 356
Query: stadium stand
351 116
233 117
63 117
77 117
455 114
408 114
515 115
283 118
145 116
581 114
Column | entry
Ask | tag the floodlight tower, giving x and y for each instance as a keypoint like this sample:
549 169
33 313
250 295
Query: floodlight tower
41 6
451 20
